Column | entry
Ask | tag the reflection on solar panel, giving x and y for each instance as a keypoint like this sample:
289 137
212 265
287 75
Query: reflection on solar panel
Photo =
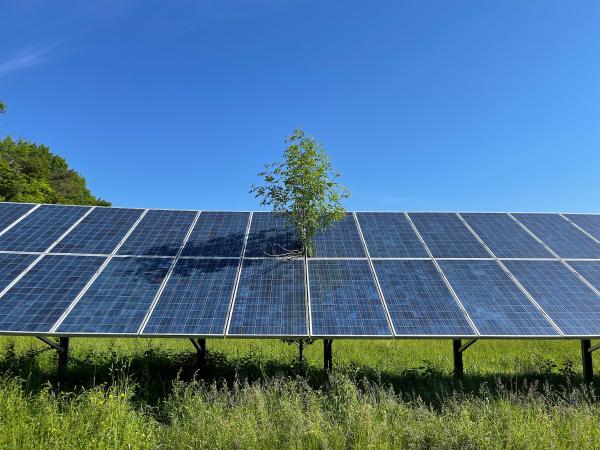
589 222
390 235
418 300
504 237
11 265
270 235
195 299
447 237
160 232
493 301
341 240
590 270
37 231
344 299
572 305
560 235
9 212
38 299
117 301
99 232
217 234
271 299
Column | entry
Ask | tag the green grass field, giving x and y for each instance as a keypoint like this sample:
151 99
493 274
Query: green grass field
137 393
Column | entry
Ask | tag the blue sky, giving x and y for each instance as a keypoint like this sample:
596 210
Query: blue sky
462 105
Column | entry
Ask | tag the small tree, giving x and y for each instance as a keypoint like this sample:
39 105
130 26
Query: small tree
303 188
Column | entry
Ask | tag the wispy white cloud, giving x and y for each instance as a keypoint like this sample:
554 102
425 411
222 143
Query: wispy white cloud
27 57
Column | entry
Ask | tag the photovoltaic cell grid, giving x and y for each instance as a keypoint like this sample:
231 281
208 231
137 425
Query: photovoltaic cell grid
344 299
117 301
38 299
218 234
340 240
569 302
271 299
99 232
589 222
590 270
41 228
418 300
447 237
270 235
390 235
196 298
504 237
493 301
160 232
560 235
9 212
11 265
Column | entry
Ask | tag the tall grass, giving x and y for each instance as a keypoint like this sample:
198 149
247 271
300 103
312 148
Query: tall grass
146 394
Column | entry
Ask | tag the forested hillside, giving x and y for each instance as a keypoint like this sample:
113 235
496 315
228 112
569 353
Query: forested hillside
32 173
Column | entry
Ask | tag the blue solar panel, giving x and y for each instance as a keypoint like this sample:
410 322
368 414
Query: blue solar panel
560 235
271 299
117 301
589 222
447 237
160 232
590 270
418 300
99 232
218 234
390 235
344 299
270 234
340 240
493 301
196 298
504 237
11 265
38 299
37 231
9 212
572 305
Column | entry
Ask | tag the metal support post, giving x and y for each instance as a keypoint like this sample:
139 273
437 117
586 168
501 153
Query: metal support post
586 358
458 358
327 354
200 345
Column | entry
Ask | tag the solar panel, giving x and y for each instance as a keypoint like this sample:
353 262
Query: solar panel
270 235
160 232
493 301
11 265
418 300
99 232
390 235
590 270
344 299
117 301
447 237
573 306
504 237
218 234
271 299
195 299
589 222
40 229
560 235
340 240
9 212
38 299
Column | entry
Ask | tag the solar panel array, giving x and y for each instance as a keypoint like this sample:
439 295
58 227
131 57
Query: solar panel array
79 270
